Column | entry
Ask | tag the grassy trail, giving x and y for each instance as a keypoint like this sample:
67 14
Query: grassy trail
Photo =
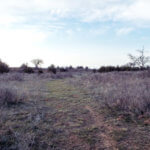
85 128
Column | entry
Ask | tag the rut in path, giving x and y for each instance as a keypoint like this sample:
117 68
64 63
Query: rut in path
107 140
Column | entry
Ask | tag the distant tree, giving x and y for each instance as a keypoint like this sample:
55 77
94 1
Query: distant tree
70 67
80 67
141 60
37 62
94 70
86 68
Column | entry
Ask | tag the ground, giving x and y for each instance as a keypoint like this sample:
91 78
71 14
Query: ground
67 118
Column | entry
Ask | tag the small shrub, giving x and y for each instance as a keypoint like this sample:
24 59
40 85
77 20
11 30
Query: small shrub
86 68
70 68
52 69
62 69
107 69
94 70
8 141
9 96
40 71
80 68
3 67
24 68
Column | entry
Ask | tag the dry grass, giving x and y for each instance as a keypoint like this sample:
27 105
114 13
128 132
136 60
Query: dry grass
72 113
125 91
12 77
9 97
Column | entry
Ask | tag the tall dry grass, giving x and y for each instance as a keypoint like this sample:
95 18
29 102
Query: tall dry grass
121 91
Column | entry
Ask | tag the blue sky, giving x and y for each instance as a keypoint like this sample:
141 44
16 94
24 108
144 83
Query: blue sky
68 32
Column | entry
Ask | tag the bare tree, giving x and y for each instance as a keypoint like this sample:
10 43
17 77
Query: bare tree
141 60
37 62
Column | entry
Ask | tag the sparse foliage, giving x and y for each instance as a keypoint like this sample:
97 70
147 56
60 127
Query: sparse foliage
37 62
141 60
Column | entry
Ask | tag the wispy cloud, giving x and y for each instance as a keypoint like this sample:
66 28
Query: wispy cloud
84 10
124 31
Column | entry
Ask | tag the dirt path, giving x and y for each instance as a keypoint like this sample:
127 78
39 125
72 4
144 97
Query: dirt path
107 140
78 112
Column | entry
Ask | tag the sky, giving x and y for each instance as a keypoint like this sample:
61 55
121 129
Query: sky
90 33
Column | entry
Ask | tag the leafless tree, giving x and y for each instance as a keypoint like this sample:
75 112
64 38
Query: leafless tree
37 62
141 60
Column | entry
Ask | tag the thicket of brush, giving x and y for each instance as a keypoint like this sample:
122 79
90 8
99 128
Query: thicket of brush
120 91
26 69
120 68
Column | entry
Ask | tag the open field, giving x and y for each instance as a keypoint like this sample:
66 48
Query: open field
87 111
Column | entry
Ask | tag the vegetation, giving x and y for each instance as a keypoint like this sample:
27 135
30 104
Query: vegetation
62 69
122 68
8 96
75 108
140 60
52 69
87 111
3 67
37 62
24 68
40 71
129 93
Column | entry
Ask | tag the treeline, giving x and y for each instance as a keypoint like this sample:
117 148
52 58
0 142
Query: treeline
4 68
120 68
52 69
